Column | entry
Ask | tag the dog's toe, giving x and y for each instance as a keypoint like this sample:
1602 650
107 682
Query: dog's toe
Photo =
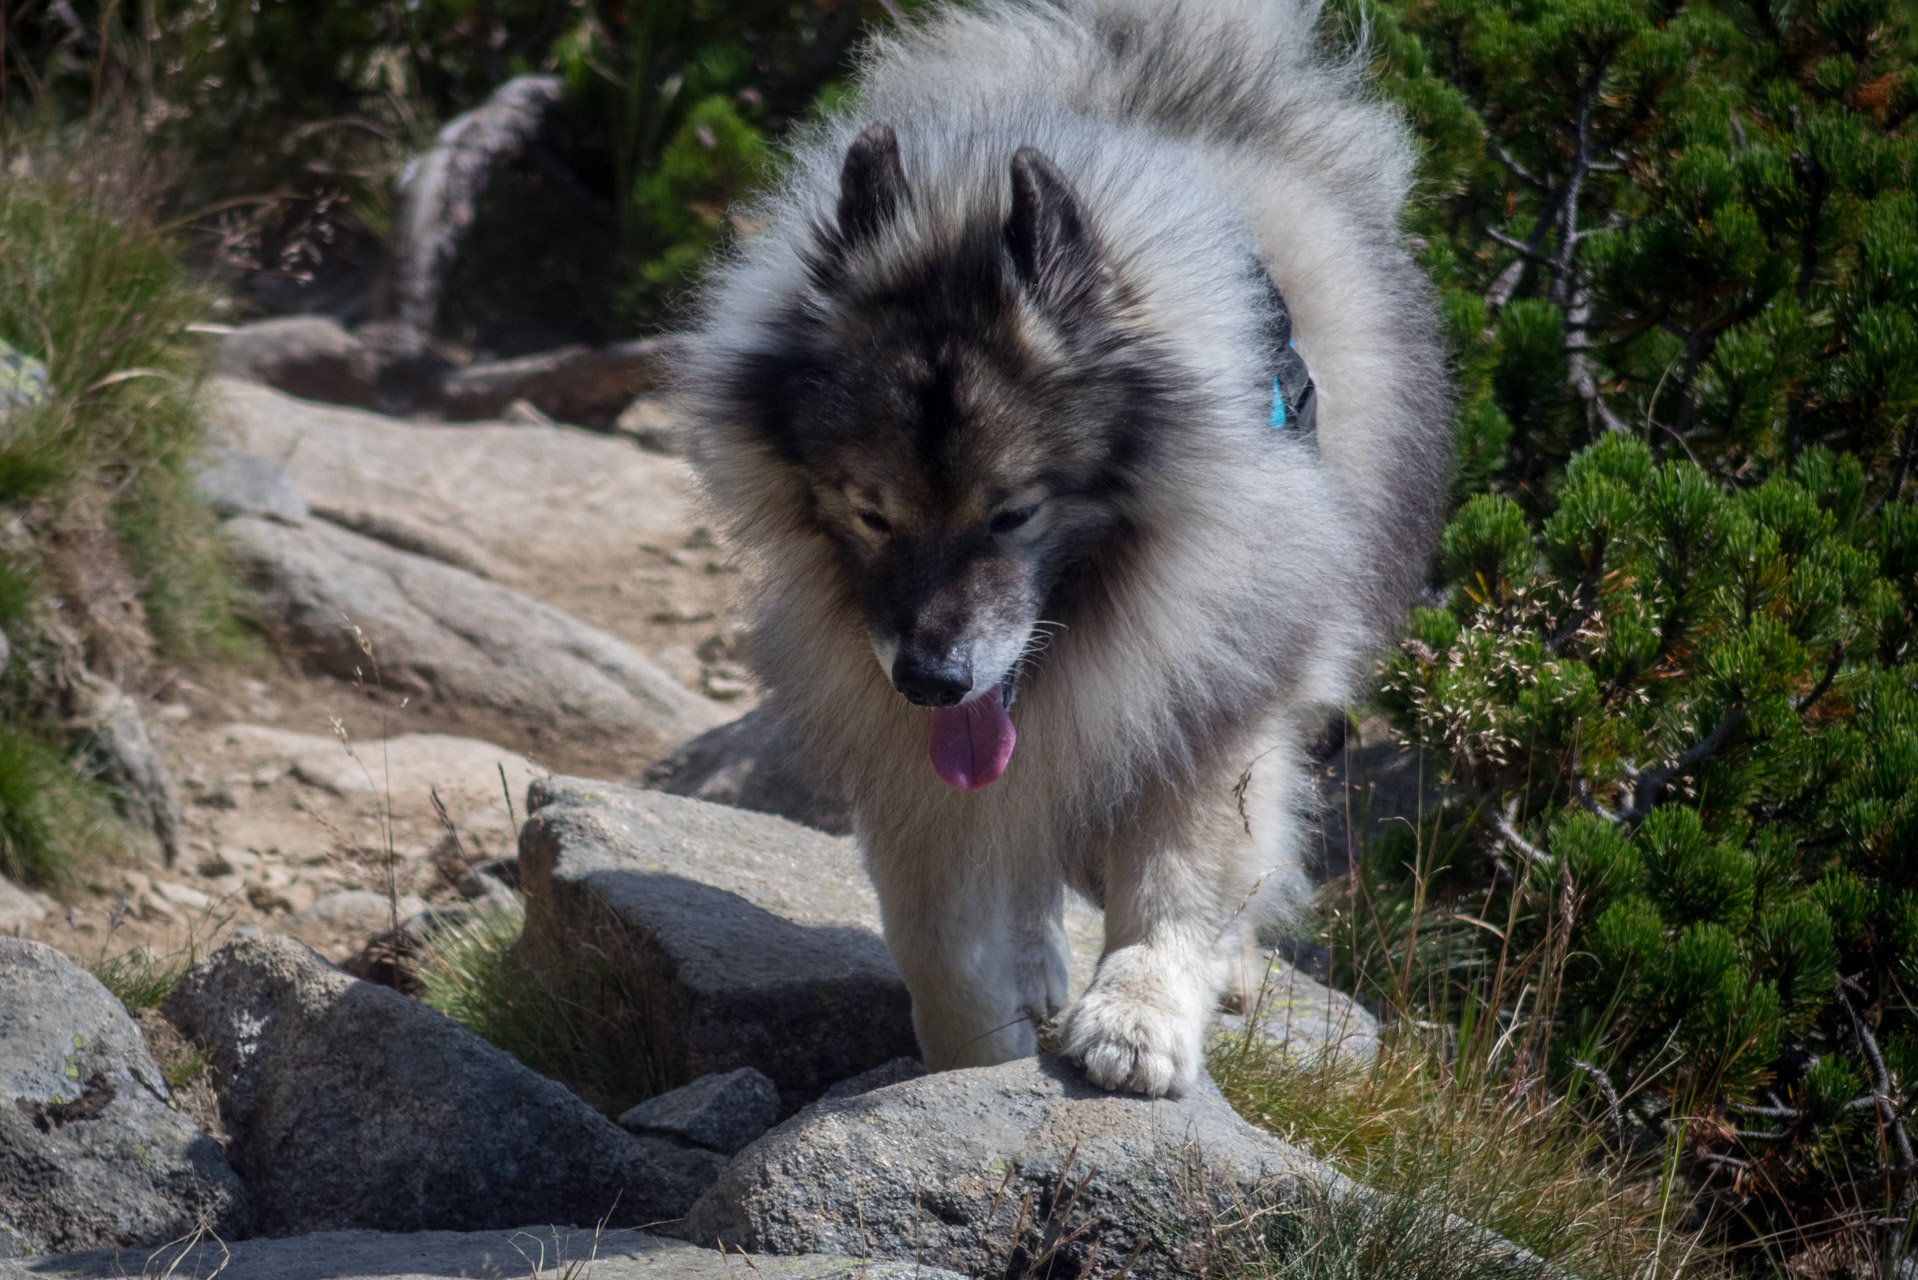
1129 1046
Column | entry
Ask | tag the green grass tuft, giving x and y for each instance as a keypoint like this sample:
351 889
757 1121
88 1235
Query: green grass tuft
53 821
577 1023
139 979
187 1067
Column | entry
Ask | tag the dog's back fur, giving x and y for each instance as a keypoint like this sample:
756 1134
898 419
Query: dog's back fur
1252 574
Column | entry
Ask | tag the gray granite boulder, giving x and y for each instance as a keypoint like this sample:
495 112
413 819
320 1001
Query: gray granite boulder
350 1105
721 1112
441 632
19 908
999 1170
244 484
307 356
581 385
782 970
94 1150
127 758
542 1251
753 763
1302 1015
1366 785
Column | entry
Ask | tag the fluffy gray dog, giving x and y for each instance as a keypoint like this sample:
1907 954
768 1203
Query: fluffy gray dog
1078 392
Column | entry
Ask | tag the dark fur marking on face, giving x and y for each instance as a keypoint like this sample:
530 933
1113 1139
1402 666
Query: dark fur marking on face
988 365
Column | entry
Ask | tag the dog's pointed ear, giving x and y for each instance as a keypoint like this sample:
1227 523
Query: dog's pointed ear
872 185
1052 245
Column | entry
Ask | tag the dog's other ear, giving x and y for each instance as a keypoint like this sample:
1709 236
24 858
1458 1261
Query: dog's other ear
872 185
1051 243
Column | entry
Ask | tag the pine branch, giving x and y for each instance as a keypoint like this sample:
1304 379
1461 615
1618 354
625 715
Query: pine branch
1502 826
1823 686
1504 157
1521 247
1647 785
1887 1113
1896 492
1502 288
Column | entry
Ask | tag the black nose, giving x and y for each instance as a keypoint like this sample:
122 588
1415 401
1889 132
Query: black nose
932 682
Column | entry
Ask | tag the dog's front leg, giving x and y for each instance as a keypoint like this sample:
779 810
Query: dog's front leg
981 945
1170 933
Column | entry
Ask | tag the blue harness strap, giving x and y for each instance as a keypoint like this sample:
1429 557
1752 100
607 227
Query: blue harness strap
1295 402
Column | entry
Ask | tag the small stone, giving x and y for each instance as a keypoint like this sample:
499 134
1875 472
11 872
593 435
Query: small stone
724 688
721 1112
307 356
753 763
348 913
151 907
525 413
651 423
480 886
182 895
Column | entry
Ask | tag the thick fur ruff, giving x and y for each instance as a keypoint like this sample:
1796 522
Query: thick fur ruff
1198 590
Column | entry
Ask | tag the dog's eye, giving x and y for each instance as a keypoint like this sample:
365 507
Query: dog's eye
1007 521
874 521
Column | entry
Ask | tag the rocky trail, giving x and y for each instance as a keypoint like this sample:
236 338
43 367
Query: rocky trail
489 640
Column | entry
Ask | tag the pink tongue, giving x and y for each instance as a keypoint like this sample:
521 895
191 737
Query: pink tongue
972 743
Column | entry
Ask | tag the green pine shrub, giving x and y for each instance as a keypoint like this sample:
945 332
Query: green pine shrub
1669 685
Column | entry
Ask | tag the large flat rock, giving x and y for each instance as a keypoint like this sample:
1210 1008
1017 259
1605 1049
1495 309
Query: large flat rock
93 1148
755 939
518 503
466 773
982 1170
439 631
435 1255
352 1106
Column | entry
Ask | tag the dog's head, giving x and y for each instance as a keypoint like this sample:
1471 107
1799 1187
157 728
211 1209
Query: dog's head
966 413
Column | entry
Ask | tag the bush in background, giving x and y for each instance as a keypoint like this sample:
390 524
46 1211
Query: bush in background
288 120
1669 689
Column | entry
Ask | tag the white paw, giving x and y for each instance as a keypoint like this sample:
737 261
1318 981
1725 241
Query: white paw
1129 1044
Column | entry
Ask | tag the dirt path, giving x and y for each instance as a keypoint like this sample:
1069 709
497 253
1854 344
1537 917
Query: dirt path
308 801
